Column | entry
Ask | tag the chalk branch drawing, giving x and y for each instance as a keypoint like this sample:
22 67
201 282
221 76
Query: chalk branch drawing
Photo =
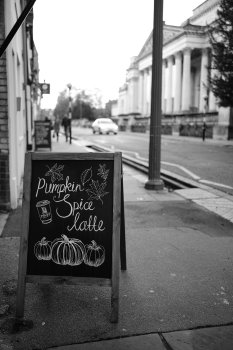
95 254
42 249
70 251
103 172
55 172
44 211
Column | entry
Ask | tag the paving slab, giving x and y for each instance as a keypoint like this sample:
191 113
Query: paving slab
132 180
12 225
147 342
3 220
221 206
215 203
214 338
195 193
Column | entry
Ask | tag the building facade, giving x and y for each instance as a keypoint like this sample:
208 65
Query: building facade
187 100
18 100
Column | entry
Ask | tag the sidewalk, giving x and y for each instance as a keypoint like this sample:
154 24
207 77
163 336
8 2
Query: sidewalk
177 292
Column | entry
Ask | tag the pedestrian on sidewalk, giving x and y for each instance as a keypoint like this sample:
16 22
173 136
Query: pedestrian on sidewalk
204 127
56 128
66 125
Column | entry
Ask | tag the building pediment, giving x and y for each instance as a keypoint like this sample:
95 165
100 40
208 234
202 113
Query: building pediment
147 48
169 32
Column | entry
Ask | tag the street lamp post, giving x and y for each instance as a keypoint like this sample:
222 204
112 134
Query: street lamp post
154 182
70 113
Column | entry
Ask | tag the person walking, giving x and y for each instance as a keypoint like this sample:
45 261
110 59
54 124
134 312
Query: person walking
66 126
56 128
204 127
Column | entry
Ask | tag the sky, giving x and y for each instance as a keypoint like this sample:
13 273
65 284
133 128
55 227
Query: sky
89 43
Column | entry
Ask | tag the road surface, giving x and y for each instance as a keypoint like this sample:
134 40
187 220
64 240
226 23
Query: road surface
210 162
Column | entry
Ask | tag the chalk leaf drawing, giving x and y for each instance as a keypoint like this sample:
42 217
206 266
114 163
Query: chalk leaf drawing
55 172
103 172
67 251
86 176
95 254
42 249
96 190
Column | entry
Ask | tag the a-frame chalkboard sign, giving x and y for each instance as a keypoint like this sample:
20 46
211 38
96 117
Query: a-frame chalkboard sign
71 222
43 134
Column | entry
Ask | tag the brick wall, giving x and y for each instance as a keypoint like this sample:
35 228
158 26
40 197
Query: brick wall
4 145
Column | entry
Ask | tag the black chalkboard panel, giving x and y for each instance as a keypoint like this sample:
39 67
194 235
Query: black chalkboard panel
71 214
42 134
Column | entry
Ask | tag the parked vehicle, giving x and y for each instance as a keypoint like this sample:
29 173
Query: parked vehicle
104 126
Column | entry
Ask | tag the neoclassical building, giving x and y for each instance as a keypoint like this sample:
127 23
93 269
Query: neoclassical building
187 100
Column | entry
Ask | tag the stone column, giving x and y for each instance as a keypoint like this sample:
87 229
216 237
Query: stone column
212 99
203 80
186 88
141 84
177 101
145 92
169 87
149 90
163 85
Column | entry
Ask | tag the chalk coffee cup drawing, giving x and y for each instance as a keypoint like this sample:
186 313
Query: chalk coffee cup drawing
44 211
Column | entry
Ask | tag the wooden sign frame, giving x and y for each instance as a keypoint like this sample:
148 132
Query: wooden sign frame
118 253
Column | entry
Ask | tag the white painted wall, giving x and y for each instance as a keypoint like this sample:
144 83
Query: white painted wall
16 119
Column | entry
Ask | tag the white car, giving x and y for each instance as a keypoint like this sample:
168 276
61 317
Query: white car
104 126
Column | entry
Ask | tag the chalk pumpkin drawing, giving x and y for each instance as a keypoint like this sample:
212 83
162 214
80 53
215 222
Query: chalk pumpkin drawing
42 249
95 254
70 251
67 251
